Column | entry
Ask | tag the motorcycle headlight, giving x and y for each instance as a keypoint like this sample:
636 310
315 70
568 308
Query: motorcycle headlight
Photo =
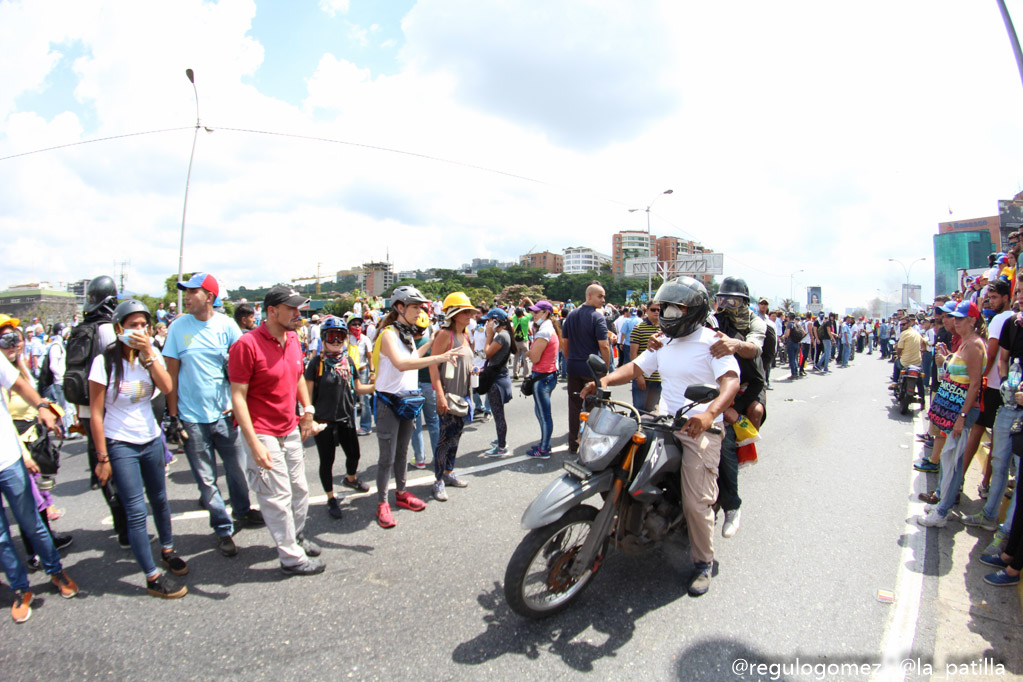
594 446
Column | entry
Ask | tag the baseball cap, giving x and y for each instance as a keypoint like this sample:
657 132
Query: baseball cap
965 309
284 295
542 305
764 300
201 280
949 307
496 314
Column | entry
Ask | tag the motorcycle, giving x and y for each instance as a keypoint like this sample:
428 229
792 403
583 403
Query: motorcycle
631 460
906 388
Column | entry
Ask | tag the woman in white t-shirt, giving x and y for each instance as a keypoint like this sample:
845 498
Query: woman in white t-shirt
122 382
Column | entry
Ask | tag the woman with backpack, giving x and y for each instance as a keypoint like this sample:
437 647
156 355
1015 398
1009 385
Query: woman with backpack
494 377
333 382
122 382
398 398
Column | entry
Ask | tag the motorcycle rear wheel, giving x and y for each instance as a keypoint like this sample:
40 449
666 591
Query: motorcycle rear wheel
537 583
904 401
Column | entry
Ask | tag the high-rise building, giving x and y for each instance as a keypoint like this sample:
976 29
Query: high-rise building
580 259
378 278
551 262
630 244
954 250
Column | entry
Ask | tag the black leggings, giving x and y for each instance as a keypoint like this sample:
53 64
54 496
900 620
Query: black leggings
327 441
1014 545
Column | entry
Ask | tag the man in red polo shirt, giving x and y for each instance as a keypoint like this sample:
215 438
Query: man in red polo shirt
265 367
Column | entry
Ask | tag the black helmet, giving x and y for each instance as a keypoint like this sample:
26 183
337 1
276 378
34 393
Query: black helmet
683 291
130 307
407 294
57 329
734 286
101 292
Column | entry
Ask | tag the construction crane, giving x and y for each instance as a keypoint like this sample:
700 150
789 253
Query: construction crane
318 276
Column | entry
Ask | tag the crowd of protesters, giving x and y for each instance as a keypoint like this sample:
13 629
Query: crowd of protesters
249 391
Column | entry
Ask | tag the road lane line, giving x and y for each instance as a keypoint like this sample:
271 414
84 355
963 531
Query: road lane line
900 630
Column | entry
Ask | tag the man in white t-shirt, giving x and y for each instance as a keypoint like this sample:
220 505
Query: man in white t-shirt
685 360
17 493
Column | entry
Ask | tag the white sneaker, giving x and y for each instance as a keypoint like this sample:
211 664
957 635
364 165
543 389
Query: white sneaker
731 525
932 520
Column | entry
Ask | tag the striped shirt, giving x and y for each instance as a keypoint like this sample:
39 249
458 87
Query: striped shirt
640 336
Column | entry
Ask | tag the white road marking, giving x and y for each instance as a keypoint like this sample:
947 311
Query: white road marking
900 630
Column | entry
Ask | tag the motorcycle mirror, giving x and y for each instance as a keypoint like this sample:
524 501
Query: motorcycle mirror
596 365
702 393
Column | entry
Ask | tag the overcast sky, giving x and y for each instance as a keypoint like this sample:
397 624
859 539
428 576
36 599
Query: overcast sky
816 136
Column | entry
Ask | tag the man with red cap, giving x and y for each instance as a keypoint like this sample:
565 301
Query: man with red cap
196 353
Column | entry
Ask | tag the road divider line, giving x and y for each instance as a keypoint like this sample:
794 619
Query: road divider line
900 630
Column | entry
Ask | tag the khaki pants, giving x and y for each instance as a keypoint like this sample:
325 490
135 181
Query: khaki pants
282 491
700 460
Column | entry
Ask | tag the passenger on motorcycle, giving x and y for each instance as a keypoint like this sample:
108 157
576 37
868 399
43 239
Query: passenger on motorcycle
686 359
908 352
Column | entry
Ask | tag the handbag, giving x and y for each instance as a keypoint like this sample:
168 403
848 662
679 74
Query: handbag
527 385
457 405
406 406
45 454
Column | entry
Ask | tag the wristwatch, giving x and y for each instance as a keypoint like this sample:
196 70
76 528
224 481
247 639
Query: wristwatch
308 409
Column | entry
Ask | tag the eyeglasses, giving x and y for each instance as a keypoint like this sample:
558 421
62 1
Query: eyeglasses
9 339
730 302
673 311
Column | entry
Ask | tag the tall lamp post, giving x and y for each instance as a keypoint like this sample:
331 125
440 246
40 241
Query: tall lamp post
188 179
649 273
907 270
792 279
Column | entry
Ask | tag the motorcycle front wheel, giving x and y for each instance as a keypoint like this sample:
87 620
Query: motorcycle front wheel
537 582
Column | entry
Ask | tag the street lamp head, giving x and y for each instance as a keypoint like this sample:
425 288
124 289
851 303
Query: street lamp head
633 210
669 191
191 76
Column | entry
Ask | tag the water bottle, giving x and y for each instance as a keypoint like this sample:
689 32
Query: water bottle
1011 383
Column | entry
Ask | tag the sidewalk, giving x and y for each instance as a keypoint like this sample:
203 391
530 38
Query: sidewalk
976 621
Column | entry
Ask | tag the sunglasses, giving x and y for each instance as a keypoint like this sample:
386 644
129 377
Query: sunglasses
653 310
9 339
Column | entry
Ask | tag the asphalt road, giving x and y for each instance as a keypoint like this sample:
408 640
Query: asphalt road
823 526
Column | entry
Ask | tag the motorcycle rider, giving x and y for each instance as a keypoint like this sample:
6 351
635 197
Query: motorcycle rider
686 359
743 335
909 352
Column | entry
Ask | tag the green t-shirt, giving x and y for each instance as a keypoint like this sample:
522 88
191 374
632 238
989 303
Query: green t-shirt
521 326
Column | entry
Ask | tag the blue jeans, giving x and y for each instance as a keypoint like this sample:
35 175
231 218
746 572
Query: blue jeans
844 358
55 392
562 366
792 351
15 486
365 405
139 473
220 436
429 416
1001 455
826 356
542 389
951 474
646 399
926 363
728 471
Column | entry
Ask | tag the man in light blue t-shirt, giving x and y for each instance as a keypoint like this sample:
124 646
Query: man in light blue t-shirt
196 354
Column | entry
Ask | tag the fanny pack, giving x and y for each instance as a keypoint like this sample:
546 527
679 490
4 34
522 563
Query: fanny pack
406 406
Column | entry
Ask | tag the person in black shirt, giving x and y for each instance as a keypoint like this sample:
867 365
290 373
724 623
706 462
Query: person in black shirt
584 333
333 382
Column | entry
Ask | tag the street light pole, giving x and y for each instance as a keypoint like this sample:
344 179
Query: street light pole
188 179
908 270
792 279
649 272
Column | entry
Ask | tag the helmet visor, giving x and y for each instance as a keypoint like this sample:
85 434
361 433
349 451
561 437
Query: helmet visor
673 311
334 336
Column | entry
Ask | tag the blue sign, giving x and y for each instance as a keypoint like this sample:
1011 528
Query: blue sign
642 297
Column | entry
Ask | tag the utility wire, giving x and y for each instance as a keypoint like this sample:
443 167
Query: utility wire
98 139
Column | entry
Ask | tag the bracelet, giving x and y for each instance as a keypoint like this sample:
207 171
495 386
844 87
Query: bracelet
104 460
146 365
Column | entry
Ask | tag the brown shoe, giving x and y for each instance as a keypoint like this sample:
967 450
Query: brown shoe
930 497
68 588
22 609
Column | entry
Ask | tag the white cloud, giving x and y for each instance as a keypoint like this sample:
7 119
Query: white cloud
806 137
334 7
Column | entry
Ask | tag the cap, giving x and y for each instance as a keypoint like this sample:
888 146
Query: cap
949 307
966 309
496 314
764 300
283 295
542 305
201 280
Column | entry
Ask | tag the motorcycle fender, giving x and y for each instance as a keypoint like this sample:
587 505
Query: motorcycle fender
561 495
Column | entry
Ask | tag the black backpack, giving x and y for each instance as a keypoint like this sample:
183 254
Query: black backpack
82 346
45 373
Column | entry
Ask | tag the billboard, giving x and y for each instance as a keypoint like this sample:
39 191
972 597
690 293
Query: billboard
911 293
813 299
690 264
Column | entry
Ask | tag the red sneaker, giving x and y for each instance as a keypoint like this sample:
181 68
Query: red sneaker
384 517
407 500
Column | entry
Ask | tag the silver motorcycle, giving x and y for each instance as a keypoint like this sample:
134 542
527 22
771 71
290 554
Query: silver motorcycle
632 461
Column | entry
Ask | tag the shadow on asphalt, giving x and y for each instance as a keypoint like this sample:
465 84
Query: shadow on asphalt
711 658
626 589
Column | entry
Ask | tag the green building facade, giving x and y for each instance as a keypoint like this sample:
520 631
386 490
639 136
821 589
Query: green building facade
954 250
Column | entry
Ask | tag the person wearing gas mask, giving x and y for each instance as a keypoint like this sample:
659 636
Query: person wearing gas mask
685 358
742 335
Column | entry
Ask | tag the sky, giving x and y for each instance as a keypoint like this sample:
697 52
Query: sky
809 142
